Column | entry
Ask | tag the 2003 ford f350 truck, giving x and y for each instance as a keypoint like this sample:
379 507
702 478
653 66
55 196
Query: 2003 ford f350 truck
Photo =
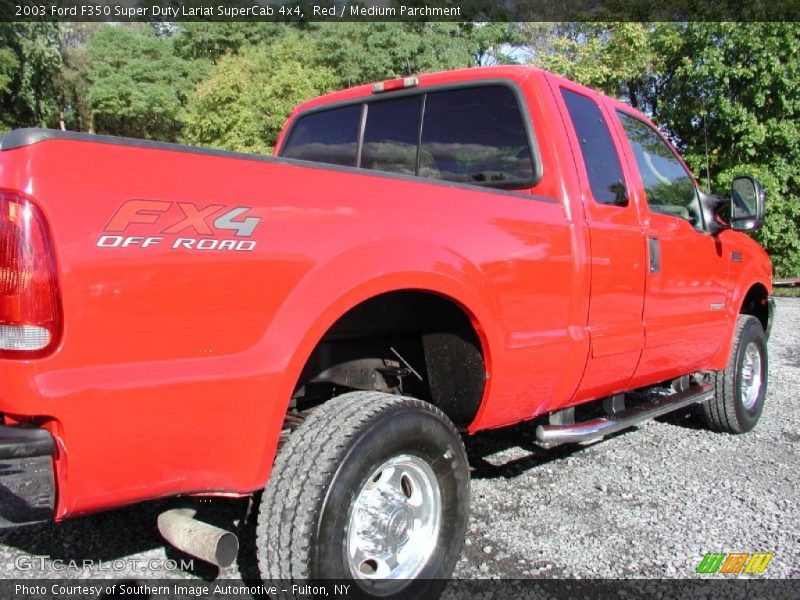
422 257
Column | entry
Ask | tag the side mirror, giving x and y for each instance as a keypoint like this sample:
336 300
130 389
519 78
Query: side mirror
747 204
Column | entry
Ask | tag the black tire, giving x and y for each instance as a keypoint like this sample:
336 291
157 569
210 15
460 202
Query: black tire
728 411
305 510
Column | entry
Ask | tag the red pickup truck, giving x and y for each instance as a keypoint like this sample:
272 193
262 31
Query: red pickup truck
423 257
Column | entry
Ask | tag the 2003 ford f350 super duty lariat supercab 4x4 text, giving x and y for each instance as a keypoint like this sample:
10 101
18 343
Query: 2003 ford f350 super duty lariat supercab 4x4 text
422 258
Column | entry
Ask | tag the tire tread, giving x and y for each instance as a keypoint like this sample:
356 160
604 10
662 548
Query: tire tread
305 466
720 412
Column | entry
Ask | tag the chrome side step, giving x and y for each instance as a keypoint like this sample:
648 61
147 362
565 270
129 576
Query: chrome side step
596 428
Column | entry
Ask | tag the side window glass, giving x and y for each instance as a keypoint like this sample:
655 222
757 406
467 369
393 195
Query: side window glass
328 136
597 148
390 135
668 187
475 135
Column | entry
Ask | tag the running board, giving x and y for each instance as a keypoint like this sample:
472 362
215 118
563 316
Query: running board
597 428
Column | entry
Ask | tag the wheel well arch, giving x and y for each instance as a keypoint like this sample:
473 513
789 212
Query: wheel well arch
414 342
755 304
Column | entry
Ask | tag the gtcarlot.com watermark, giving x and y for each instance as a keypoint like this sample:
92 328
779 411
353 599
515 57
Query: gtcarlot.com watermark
26 562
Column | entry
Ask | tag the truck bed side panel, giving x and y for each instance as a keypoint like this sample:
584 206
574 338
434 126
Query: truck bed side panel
176 363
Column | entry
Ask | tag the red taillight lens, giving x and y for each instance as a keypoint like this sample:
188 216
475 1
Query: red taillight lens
29 308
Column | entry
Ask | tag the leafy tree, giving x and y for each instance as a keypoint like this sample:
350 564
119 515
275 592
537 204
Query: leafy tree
490 43
137 86
9 66
247 98
29 65
741 84
625 60
73 79
365 52
211 41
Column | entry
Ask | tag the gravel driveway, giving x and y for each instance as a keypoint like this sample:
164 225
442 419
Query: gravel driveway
648 502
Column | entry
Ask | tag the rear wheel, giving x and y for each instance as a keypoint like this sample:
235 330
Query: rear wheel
372 488
741 388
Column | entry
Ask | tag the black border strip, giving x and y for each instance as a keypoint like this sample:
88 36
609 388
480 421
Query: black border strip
729 587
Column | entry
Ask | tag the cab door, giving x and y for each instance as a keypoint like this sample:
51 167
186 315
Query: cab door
684 306
617 243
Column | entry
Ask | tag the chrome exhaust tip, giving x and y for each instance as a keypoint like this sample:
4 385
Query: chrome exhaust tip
201 540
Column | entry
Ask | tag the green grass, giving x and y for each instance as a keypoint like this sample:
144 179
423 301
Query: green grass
786 292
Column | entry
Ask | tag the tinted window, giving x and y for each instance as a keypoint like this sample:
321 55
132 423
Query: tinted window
668 187
328 136
390 135
599 155
475 135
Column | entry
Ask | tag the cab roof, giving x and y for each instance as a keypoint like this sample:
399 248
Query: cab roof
511 72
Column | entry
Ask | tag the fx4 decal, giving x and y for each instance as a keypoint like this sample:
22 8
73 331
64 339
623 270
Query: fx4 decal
145 223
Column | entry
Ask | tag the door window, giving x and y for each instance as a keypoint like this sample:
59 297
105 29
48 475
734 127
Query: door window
668 187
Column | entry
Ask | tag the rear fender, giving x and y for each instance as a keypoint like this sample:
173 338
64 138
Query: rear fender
350 278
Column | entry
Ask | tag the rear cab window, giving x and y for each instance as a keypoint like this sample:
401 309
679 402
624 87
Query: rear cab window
329 136
391 135
474 134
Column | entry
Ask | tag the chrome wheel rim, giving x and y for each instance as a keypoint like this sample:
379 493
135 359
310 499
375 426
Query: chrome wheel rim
750 376
393 524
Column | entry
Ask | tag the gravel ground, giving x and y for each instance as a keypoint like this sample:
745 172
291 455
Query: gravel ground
648 502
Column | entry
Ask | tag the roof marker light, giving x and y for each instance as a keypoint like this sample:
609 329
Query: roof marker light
395 84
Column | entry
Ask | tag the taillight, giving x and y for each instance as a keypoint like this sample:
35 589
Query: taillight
29 303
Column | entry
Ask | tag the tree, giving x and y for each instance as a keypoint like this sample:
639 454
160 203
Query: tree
73 79
29 65
211 41
9 66
741 84
137 86
490 43
247 98
625 60
365 52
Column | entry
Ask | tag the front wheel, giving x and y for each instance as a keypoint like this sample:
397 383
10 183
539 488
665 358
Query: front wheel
371 488
742 387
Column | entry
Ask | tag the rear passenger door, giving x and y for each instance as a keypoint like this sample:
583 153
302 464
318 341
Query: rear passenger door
684 309
617 243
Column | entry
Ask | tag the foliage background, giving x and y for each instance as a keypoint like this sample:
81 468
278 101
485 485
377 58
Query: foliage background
727 94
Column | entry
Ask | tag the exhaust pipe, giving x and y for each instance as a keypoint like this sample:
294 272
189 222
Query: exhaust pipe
204 541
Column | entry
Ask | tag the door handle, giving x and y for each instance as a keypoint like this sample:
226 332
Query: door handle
654 253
